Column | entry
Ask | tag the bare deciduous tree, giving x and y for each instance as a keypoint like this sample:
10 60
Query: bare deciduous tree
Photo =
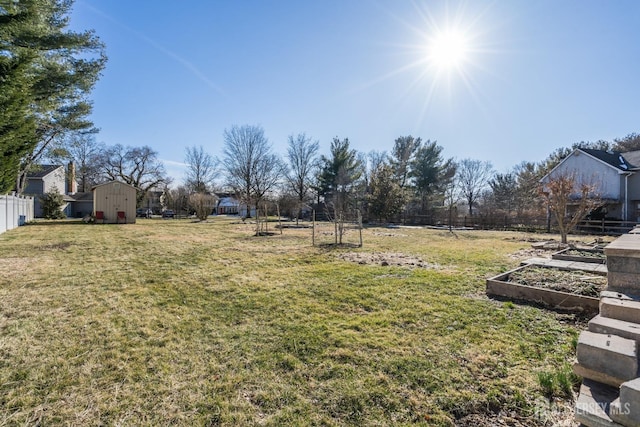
253 170
137 166
176 199
84 151
570 200
303 163
630 142
201 170
472 178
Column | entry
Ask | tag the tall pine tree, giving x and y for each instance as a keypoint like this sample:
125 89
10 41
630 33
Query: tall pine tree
46 74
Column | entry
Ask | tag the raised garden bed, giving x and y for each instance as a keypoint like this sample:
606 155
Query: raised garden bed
550 287
596 256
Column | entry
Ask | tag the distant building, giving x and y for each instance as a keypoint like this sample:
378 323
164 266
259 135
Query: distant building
228 204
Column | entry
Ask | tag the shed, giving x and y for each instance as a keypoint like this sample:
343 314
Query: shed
117 202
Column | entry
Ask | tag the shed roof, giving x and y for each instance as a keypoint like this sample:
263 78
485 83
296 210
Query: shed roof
111 182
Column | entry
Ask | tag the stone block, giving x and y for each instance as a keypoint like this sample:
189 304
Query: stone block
606 325
593 405
623 281
612 355
623 264
626 409
627 245
621 309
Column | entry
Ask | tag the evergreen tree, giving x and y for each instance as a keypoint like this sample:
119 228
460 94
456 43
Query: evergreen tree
341 171
404 151
430 174
46 72
505 191
338 182
52 202
386 197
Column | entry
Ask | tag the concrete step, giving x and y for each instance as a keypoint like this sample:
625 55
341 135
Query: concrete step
627 310
626 409
606 325
608 354
597 376
593 404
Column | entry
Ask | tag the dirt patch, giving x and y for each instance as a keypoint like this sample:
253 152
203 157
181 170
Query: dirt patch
378 233
55 246
386 259
557 414
585 253
523 254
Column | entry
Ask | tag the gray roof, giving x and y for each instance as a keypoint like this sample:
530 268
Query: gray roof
633 158
40 171
613 158
83 197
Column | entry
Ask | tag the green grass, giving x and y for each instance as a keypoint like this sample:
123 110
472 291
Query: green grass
181 323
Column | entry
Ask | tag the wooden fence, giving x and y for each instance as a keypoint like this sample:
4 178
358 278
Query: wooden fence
530 224
15 211
605 226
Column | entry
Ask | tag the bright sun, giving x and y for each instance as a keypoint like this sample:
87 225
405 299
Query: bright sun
448 49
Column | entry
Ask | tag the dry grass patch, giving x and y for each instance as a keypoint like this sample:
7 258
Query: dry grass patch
181 323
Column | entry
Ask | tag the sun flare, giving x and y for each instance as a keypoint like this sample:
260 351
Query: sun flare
448 49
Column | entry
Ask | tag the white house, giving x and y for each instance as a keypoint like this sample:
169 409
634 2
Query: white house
229 205
614 176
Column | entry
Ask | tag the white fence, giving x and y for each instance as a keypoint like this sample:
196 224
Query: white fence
15 211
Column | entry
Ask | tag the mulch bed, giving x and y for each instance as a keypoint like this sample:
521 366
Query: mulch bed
573 282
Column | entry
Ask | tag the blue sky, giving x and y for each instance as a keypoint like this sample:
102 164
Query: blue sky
536 75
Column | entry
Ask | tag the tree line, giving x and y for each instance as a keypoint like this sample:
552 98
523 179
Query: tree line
413 182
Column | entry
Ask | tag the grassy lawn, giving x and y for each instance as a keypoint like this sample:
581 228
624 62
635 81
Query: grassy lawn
169 322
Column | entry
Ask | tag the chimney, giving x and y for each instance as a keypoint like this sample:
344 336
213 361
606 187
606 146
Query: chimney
72 185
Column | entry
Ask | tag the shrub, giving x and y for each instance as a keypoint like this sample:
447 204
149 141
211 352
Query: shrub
52 202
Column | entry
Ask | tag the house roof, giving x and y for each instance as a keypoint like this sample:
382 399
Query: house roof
83 197
612 158
633 158
228 201
40 171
